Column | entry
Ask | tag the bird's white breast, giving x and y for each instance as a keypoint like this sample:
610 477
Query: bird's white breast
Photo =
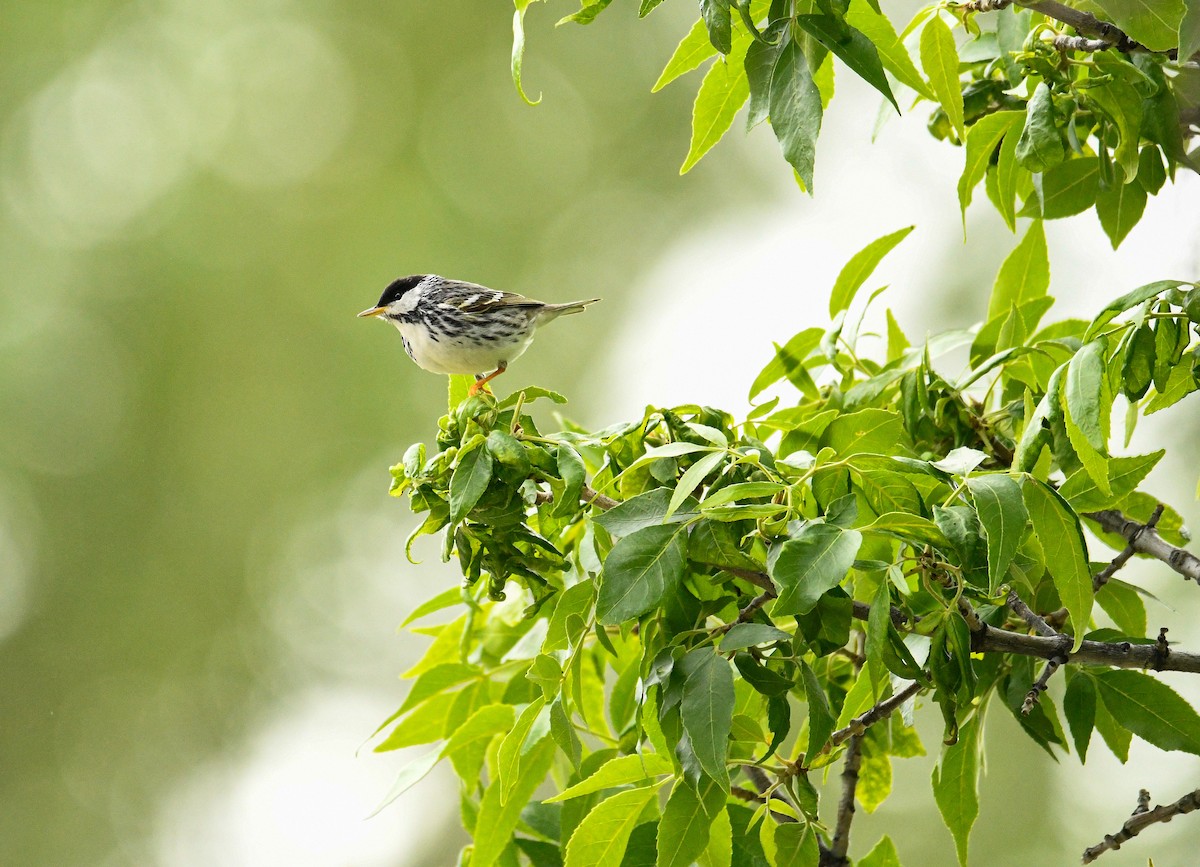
458 354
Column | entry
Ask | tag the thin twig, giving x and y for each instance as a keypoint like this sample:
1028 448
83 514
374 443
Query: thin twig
1036 623
1142 818
1042 683
1102 577
1064 43
881 711
1147 541
747 613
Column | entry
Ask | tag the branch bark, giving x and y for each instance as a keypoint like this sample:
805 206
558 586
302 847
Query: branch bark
1142 818
1144 539
845 813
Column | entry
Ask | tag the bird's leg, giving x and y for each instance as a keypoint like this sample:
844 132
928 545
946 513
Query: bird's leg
481 382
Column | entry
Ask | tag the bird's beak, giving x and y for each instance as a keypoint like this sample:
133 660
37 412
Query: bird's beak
374 311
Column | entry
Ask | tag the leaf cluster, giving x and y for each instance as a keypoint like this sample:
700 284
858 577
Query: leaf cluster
677 620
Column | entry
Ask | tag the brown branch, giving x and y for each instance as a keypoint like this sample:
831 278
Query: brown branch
747 613
1120 654
1142 818
881 711
1041 684
845 812
1064 43
1042 628
1036 623
1132 534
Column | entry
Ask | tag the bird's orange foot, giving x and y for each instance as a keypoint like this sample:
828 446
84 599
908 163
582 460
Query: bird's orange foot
481 382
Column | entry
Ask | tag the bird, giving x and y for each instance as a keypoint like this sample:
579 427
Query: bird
451 326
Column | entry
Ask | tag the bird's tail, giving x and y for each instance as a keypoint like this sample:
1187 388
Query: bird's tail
553 311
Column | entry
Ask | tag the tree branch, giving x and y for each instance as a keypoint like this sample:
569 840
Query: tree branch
881 711
845 812
747 613
1144 539
1142 818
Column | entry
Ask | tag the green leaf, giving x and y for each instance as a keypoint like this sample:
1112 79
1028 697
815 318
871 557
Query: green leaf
939 59
1008 173
1079 707
1124 605
438 679
469 481
637 513
1120 207
533 725
852 48
619 771
719 851
1003 516
1124 475
883 855
443 600
1189 31
686 821
1040 146
744 635
587 14
861 265
572 472
796 845
1127 302
1122 103
411 774
760 63
821 720
691 479
982 140
1070 188
518 59
892 52
1065 551
600 839
1154 23
692 51
1025 274
956 786
722 94
1087 407
707 709
1150 709
796 110
1117 737
640 571
868 431
790 354
496 821
718 21
814 561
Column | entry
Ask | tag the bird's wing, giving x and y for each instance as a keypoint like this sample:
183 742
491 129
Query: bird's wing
473 298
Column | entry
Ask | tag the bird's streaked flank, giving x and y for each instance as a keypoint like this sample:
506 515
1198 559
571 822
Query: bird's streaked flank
449 326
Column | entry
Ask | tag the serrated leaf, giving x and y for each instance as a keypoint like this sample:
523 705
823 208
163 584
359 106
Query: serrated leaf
852 48
1087 411
637 513
1025 274
811 563
790 354
1154 23
1079 707
469 481
1008 174
744 635
892 52
883 855
411 774
956 786
861 265
939 59
600 839
796 110
692 51
1125 606
982 139
1040 146
821 720
683 830
1119 208
692 478
640 571
722 94
496 821
619 771
1128 301
717 19
1122 103
532 726
1003 515
1069 188
1150 709
1064 549
707 710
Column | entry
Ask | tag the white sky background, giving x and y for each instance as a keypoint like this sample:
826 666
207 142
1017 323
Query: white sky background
696 328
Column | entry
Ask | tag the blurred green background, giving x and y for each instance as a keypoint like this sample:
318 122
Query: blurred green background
200 572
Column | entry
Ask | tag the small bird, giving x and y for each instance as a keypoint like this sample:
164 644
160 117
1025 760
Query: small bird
449 326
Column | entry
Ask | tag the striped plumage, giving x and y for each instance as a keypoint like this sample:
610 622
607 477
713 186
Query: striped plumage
449 326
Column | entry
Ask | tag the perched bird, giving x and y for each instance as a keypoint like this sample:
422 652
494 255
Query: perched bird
453 327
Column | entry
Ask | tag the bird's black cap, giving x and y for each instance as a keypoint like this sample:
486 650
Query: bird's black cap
397 288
